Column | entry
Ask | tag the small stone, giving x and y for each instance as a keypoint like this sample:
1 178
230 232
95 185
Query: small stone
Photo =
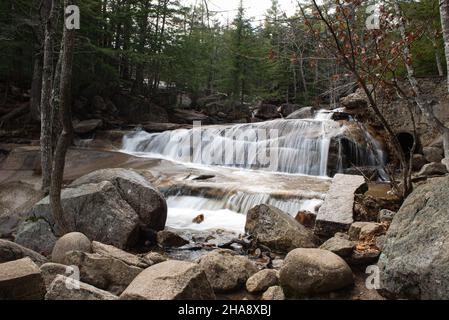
199 219
262 280
154 258
273 293
364 258
74 241
307 219
339 246
361 230
169 239
277 263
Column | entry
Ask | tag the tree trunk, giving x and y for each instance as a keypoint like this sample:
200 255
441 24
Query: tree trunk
444 13
68 43
36 88
46 120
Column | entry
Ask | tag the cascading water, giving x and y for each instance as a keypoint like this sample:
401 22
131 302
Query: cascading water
279 147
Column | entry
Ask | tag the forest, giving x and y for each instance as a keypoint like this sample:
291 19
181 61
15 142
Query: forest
194 150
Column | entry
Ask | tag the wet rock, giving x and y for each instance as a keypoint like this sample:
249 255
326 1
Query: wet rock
199 219
63 288
141 195
336 214
273 293
304 113
386 215
21 280
156 127
169 239
87 126
189 116
116 253
277 230
433 169
74 241
415 259
340 246
87 209
433 154
262 280
106 273
311 271
36 234
10 251
170 280
51 270
227 271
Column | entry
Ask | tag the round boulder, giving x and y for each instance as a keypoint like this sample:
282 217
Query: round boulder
313 271
74 241
227 271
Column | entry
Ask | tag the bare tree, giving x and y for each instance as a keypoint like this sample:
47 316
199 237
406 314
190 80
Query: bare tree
444 13
65 138
47 84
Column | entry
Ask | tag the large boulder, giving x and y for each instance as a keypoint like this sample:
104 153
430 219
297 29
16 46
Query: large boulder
21 280
36 234
313 271
277 230
96 210
74 241
16 198
170 280
141 195
337 212
415 259
10 251
63 288
103 272
226 270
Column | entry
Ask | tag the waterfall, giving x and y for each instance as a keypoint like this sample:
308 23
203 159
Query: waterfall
286 155
289 146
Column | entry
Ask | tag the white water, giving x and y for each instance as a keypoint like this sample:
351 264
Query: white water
279 146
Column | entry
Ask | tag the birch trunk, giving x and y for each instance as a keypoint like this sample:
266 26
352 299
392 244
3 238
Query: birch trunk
444 13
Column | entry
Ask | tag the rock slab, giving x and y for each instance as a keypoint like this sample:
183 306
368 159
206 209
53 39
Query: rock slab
337 212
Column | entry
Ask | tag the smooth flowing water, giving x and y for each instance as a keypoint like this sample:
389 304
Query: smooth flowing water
283 163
